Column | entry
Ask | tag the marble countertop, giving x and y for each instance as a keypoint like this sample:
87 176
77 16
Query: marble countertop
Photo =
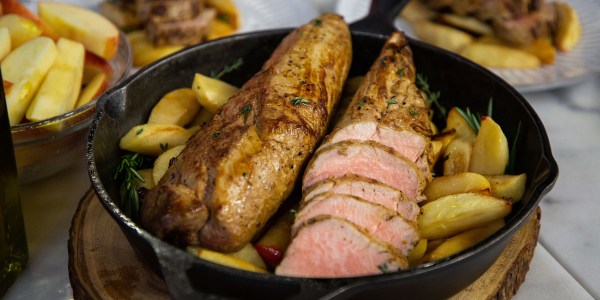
565 263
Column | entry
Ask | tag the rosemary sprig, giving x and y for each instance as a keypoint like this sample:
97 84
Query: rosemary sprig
228 68
512 157
127 174
432 97
474 119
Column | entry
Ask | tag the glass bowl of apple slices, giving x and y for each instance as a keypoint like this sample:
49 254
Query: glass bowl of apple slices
57 63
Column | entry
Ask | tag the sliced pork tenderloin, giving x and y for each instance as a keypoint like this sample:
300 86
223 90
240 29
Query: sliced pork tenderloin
384 225
327 247
367 189
368 159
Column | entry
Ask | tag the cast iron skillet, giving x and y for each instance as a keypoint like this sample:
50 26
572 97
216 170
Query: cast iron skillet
460 82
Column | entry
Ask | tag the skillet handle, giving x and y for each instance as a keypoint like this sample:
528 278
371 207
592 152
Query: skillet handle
174 267
380 19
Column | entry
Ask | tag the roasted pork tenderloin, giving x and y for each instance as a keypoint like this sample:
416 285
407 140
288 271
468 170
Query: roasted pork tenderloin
237 170
376 158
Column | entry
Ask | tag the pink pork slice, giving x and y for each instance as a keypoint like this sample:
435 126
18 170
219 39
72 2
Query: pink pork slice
369 159
368 189
328 247
384 225
408 143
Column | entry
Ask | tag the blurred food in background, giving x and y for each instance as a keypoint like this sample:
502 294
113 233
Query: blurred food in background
55 61
497 33
157 28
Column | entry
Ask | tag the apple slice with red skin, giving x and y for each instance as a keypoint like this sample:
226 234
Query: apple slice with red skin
93 65
15 7
272 245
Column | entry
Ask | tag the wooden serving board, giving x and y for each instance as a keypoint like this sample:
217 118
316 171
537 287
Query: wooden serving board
102 264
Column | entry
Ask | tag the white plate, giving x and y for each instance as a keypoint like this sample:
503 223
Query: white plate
569 68
269 14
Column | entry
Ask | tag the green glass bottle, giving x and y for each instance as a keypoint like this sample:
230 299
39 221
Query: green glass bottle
13 241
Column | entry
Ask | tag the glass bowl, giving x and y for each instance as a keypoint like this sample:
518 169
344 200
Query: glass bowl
46 147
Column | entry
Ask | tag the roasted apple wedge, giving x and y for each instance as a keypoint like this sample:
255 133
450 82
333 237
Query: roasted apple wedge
453 214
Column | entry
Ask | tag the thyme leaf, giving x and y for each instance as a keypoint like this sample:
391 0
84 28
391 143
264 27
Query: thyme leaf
139 131
296 101
400 72
228 68
413 112
392 101
383 268
215 135
244 111
318 22
432 97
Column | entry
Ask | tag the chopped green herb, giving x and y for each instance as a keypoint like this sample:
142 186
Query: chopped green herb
512 157
139 131
266 70
296 101
244 111
361 103
413 112
215 135
432 97
294 212
383 268
228 69
400 72
164 147
126 173
392 101
224 18
318 22
383 61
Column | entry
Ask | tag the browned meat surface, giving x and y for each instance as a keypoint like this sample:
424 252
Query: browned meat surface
384 225
524 30
367 189
520 22
368 159
236 171
331 247
184 32
370 164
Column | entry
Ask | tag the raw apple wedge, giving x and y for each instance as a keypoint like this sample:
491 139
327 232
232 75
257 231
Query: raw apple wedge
93 30
15 7
94 65
20 29
92 89
26 67
60 89
4 43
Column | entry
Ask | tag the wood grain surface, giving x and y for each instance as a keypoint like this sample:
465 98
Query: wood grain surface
102 264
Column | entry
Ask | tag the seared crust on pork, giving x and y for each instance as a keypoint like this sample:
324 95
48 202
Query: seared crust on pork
236 171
